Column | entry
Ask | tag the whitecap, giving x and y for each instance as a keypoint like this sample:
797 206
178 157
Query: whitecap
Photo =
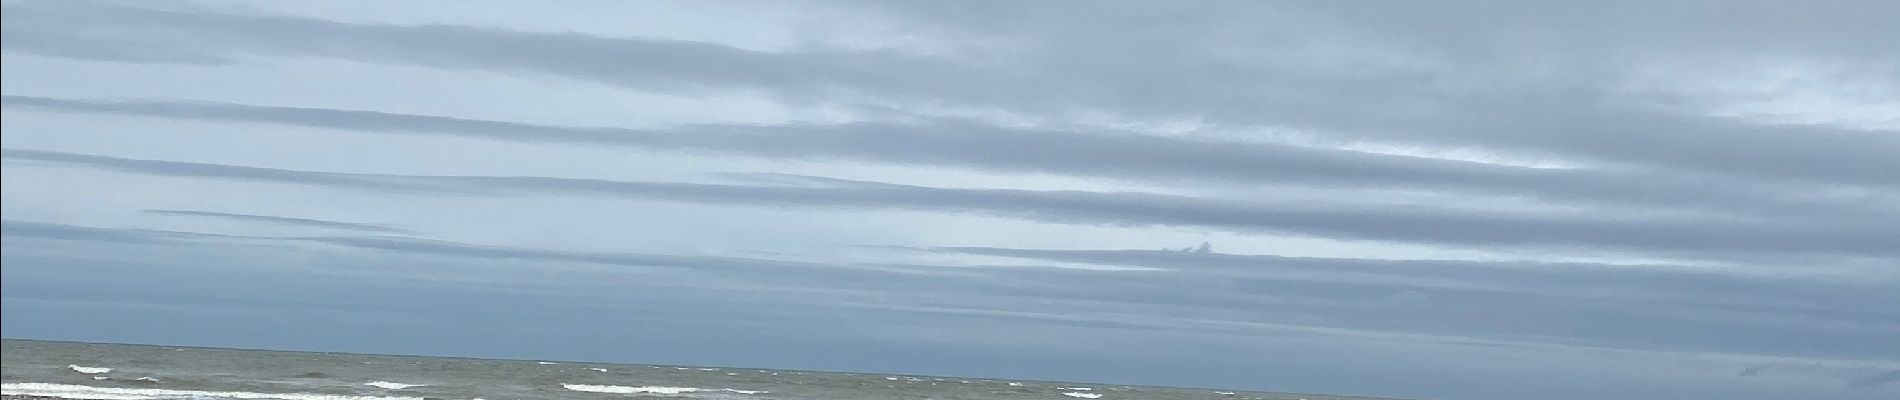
100 378
649 389
708 369
1015 383
1085 395
65 391
598 369
391 385
89 370
629 389
544 363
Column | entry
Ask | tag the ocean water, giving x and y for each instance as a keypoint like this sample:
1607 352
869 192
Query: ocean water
129 372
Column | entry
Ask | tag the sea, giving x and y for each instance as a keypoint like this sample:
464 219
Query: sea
137 372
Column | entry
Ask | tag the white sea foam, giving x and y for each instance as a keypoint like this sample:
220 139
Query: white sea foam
89 370
65 391
629 389
1085 395
391 385
1080 389
649 389
100 378
598 369
1015 383
544 363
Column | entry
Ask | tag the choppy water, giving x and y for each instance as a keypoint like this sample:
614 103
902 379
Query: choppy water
128 372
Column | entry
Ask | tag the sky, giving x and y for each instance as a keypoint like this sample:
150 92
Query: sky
1440 200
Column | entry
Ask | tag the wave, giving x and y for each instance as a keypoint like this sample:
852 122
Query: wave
649 389
89 370
1085 395
81 392
392 385
142 380
598 369
545 363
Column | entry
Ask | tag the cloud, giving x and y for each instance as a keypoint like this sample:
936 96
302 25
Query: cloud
1753 370
1703 313
203 170
1397 224
974 145
289 221
1065 73
1874 380
70 232
1057 152
1519 297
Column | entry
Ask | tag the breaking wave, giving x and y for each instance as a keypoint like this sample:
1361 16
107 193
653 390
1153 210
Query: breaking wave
649 389
89 370
81 392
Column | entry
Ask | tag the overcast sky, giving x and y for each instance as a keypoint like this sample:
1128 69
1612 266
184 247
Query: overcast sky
1446 199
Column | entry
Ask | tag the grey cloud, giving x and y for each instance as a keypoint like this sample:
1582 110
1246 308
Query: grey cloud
1333 301
216 171
1676 309
1672 282
1401 224
979 146
1149 301
1539 79
290 221
791 273
1753 370
1059 73
1843 27
70 232
1878 379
